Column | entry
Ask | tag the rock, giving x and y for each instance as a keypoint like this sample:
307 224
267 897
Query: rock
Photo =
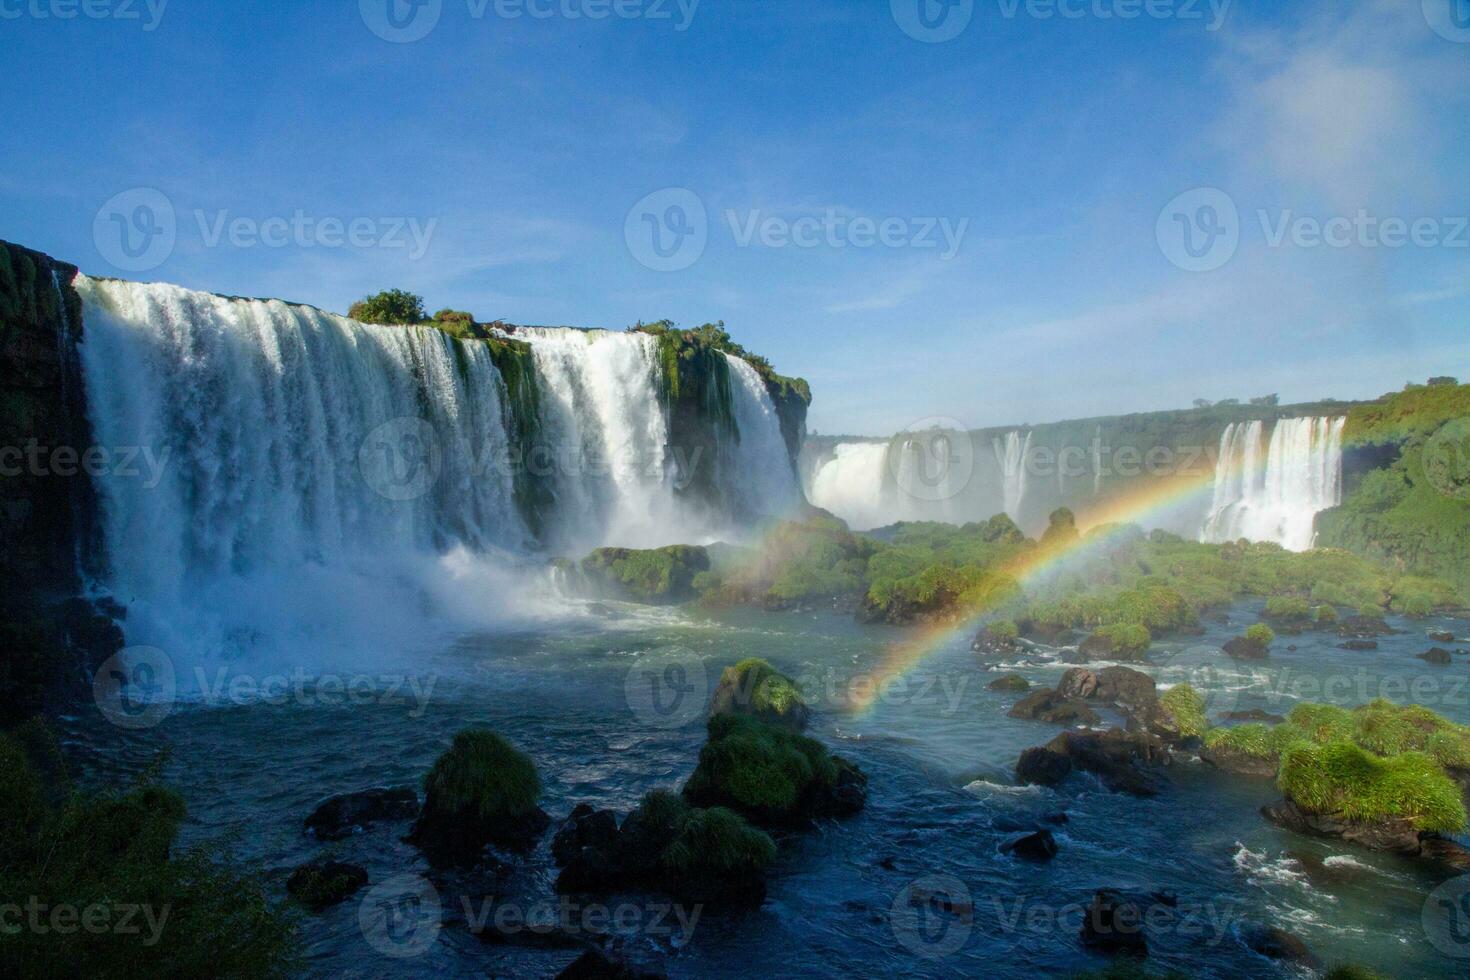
1121 760
1240 763
1278 944
349 813
1391 834
1358 644
1114 924
1010 684
1098 646
1131 689
1037 846
585 827
1436 655
322 884
1040 766
1052 707
1254 714
756 689
480 792
1245 648
1079 682
594 964
1441 636
1364 626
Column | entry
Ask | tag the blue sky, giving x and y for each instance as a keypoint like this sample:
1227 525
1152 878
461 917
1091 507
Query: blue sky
1048 147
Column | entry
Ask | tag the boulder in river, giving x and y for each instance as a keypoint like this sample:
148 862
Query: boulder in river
322 884
349 813
1038 846
1358 644
755 688
1441 636
1125 762
1054 707
1436 655
1277 944
594 964
1113 923
1247 648
482 791
1010 684
1394 835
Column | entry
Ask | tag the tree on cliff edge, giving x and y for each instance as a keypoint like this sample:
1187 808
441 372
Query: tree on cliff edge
389 306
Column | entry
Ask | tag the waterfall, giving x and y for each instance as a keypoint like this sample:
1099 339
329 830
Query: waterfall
1012 455
758 471
851 484
1273 492
292 482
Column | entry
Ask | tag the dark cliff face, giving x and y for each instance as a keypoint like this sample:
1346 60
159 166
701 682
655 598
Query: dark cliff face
50 640
48 512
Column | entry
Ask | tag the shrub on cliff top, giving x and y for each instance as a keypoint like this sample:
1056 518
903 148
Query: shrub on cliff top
1342 780
394 306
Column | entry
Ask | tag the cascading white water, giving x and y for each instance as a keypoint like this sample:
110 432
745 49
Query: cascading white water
1012 455
851 485
305 488
757 468
1274 492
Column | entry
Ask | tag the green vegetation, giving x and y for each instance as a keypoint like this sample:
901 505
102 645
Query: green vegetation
1402 512
1288 608
761 771
1123 639
391 306
104 853
1348 782
1188 708
1004 630
1418 605
1324 615
659 575
483 778
1260 633
718 842
754 687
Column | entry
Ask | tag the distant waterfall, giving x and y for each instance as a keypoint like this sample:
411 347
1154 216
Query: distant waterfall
1273 492
300 480
1012 455
853 484
760 476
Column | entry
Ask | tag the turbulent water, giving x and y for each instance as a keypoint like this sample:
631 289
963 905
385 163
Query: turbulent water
303 481
1274 491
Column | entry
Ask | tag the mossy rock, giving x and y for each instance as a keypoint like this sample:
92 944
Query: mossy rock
753 687
655 576
481 791
1342 781
322 884
1186 710
1119 641
717 857
771 775
1010 684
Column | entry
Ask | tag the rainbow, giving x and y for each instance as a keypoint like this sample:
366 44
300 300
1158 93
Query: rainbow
1032 566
